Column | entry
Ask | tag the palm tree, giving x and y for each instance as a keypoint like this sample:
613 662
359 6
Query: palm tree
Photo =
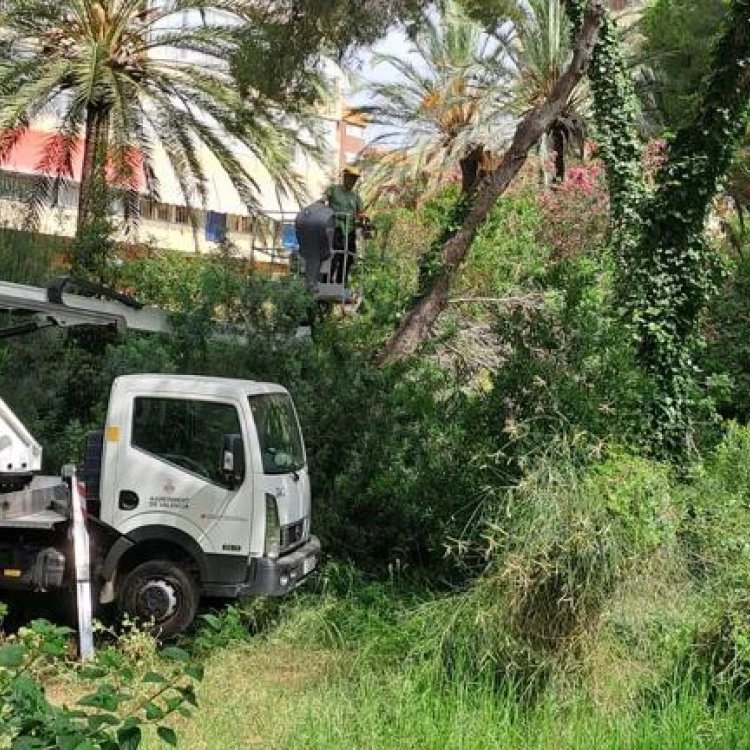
448 110
462 86
129 76
538 49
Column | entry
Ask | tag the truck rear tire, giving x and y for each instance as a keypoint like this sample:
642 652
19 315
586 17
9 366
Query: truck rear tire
161 595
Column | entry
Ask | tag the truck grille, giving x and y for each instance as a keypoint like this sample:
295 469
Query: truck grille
292 535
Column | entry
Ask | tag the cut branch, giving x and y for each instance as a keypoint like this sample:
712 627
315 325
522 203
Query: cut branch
416 326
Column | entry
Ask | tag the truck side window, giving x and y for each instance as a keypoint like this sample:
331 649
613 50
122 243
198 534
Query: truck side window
185 432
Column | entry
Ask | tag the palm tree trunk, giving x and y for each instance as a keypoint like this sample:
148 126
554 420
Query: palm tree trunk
93 168
416 325
544 177
558 143
470 167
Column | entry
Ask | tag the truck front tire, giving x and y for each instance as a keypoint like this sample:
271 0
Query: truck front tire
161 595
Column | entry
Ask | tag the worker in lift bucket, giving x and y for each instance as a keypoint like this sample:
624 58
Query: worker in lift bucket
348 212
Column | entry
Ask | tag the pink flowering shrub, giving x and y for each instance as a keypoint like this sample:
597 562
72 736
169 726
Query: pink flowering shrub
575 212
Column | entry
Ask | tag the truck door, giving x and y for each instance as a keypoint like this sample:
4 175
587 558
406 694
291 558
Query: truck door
171 474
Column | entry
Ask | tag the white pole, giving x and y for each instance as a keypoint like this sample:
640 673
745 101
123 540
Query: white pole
82 557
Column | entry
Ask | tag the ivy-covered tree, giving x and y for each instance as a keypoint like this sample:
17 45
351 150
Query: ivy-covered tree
667 270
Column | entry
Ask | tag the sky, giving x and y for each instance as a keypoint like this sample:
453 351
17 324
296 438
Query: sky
395 43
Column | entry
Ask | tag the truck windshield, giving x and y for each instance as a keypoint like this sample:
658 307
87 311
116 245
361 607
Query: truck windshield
278 433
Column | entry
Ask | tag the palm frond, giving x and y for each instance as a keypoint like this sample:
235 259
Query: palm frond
160 83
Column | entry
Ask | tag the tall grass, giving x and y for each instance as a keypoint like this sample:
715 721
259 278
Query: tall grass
403 710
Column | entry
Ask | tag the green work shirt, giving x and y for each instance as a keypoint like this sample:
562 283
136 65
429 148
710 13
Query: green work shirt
346 204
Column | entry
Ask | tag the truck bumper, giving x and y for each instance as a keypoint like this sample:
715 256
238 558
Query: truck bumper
282 575
271 577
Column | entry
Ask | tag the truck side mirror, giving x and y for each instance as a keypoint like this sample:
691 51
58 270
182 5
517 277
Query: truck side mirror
233 460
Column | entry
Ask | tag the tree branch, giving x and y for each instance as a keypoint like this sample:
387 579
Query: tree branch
416 326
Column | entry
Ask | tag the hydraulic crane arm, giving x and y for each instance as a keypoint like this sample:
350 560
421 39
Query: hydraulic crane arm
54 306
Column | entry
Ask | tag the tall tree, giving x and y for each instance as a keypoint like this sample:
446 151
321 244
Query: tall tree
666 266
677 40
447 108
128 75
282 41
418 322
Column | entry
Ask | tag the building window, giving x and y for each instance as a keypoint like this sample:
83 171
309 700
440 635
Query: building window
216 226
355 131
239 224
148 209
164 212
181 215
350 157
157 211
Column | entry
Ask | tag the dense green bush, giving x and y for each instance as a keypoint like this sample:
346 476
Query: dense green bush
567 539
717 540
566 368
506 255
726 358
120 694
27 258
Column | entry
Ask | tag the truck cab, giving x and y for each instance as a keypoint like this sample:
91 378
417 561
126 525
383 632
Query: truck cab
197 486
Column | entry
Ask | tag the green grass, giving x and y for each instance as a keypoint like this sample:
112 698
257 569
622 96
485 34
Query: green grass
272 695
401 710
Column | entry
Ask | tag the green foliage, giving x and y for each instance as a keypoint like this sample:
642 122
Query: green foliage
674 270
726 357
716 534
390 274
110 717
388 451
92 250
568 537
506 255
615 116
27 258
284 45
401 708
667 270
431 263
568 366
678 37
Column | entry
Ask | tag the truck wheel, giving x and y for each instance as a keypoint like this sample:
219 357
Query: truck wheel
162 593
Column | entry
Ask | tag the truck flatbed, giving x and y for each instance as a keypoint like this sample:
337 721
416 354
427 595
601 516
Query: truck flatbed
42 505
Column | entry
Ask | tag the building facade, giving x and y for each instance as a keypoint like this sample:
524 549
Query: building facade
170 223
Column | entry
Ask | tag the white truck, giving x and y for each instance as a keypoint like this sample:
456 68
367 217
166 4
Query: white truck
196 486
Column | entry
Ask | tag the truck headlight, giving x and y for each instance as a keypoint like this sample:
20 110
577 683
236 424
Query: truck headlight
273 528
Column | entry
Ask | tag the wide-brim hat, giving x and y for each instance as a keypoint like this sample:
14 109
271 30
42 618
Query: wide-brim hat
353 171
